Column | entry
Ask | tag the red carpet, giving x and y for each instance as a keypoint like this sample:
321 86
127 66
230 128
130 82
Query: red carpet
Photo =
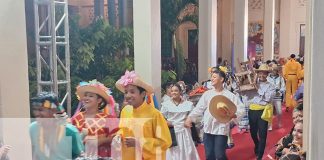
244 146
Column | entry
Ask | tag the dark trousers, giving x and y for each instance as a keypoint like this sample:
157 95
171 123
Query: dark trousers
215 146
258 130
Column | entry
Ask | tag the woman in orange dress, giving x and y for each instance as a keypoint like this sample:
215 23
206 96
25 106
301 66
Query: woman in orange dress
96 120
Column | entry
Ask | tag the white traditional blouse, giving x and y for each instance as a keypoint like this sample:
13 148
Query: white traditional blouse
176 114
211 125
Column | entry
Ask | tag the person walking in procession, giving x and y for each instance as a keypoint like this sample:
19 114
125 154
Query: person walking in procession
144 132
216 130
176 111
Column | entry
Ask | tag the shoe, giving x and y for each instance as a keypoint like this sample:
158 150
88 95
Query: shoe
230 146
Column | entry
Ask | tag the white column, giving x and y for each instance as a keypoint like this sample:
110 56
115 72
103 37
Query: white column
220 15
207 37
14 90
313 96
227 29
285 14
269 19
99 8
240 31
147 42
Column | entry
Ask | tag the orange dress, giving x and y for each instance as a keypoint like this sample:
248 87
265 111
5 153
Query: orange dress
102 124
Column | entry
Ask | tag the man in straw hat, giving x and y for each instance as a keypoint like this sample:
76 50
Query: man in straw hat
260 110
223 107
278 81
143 131
50 134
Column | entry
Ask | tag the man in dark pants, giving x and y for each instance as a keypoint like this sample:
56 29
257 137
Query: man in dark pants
260 110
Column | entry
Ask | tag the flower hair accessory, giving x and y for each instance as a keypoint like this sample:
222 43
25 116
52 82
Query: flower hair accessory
131 78
128 78
223 69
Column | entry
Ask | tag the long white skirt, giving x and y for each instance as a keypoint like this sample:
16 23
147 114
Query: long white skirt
186 149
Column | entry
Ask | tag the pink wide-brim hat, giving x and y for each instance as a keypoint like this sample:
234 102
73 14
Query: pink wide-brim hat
130 78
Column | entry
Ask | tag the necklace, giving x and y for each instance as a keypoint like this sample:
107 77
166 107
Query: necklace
176 103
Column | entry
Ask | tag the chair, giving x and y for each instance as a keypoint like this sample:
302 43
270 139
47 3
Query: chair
246 76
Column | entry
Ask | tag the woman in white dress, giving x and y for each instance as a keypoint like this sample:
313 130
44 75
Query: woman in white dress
175 111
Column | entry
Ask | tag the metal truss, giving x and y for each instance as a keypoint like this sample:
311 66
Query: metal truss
52 49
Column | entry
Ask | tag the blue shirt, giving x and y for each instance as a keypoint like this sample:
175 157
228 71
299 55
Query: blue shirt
70 146
299 94
264 94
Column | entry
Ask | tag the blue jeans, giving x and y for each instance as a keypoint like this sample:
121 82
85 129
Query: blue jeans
215 146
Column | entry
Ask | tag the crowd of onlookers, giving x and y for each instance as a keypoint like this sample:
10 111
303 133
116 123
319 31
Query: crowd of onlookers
290 147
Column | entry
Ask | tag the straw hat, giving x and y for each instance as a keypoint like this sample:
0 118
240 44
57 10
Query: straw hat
95 87
275 67
221 108
133 79
263 68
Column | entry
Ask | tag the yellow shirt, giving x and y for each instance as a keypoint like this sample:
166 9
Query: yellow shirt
292 67
149 128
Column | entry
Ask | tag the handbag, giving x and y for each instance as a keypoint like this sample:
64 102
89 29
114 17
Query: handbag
173 137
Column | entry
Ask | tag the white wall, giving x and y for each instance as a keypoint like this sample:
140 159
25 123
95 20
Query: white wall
226 29
291 16
207 43
14 91
256 14
240 31
182 35
313 95
13 61
147 42
298 17
277 10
